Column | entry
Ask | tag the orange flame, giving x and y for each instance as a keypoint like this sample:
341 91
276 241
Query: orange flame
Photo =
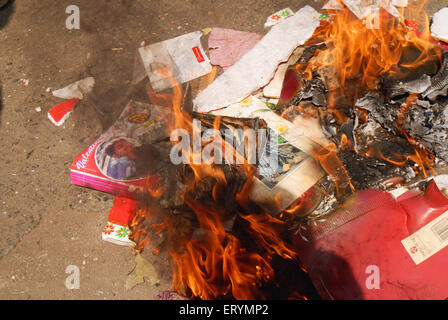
362 55
329 161
211 262
354 50
423 157
217 263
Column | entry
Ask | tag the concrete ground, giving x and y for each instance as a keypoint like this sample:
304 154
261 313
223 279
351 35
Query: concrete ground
46 224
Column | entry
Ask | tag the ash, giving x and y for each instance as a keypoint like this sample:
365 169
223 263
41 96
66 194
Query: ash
384 127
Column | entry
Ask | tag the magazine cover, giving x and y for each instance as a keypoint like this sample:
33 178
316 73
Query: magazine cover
111 163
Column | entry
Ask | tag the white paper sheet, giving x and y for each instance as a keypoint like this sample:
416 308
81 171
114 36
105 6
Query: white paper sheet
256 68
184 55
439 27
364 8
279 16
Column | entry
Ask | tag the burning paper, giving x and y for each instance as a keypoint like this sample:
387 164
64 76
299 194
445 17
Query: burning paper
333 5
255 69
362 9
369 10
439 27
274 88
279 184
184 55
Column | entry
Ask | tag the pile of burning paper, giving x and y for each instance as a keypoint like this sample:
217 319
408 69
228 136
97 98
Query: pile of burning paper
329 121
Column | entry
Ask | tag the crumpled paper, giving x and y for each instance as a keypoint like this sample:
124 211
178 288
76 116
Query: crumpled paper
439 27
364 8
256 68
184 55
76 90
227 46
142 269
62 111
304 135
117 229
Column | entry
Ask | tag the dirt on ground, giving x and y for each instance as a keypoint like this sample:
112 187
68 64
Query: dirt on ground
47 224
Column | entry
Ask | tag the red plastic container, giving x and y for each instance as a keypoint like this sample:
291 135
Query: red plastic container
343 251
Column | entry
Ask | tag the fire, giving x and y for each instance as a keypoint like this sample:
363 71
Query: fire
358 54
329 161
423 157
218 264
212 260
421 160
386 47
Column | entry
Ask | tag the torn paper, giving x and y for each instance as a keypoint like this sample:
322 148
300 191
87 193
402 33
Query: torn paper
400 3
256 68
364 8
439 27
274 88
227 46
184 56
62 111
305 136
277 185
117 228
333 5
281 15
117 234
76 90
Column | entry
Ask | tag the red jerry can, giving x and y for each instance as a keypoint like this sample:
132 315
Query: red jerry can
357 251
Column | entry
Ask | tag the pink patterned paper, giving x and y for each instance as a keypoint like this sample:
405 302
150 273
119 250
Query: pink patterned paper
227 46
